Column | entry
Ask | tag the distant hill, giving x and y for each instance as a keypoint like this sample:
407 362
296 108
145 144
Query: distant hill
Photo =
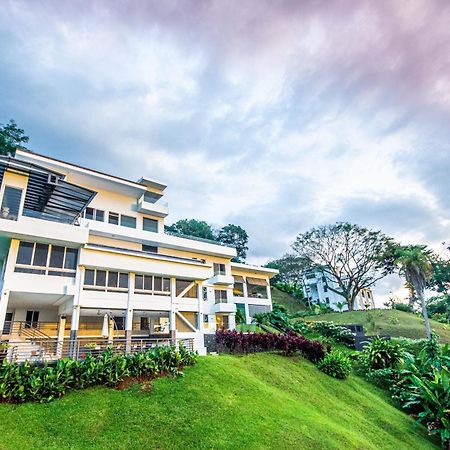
291 303
388 321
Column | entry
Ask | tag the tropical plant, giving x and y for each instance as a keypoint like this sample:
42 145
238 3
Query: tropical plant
381 354
336 364
345 253
415 263
339 334
340 305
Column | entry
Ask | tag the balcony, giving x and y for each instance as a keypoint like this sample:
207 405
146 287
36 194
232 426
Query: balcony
155 209
224 306
221 279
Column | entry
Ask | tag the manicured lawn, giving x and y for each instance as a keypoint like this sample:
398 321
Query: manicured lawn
387 321
259 401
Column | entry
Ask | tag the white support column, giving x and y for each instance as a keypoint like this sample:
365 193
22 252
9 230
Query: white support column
172 323
247 310
269 293
232 321
60 338
129 312
8 270
4 299
76 304
199 303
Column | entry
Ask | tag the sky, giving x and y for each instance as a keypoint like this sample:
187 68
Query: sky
274 115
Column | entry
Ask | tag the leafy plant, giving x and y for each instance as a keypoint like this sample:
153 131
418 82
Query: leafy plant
381 354
403 307
339 334
336 364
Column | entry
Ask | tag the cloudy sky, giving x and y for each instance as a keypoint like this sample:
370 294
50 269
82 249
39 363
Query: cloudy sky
275 115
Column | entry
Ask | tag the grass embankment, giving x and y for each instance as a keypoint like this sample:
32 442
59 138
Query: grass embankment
291 303
387 321
259 401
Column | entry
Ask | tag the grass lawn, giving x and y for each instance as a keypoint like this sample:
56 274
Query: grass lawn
387 321
259 401
291 303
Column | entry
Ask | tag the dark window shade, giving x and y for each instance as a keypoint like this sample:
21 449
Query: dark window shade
25 253
149 248
158 284
89 213
71 258
128 221
40 255
148 282
89 275
123 280
57 256
113 278
150 224
166 285
100 279
100 215
139 282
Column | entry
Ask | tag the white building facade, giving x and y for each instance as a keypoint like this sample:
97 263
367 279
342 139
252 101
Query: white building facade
316 289
85 257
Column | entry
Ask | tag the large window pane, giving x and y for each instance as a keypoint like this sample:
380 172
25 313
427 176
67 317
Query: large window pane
150 224
127 221
40 255
123 280
71 258
25 253
57 256
89 213
89 276
113 278
100 279
100 215
139 282
11 203
166 284
158 284
113 218
148 282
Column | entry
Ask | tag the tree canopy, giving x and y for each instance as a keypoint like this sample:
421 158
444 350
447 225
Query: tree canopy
11 138
346 253
237 237
290 267
192 227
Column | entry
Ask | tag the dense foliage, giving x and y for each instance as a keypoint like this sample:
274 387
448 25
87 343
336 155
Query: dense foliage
288 344
338 333
336 364
237 237
24 382
381 354
290 267
11 138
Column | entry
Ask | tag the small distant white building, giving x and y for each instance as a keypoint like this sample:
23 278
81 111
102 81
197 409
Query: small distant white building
316 289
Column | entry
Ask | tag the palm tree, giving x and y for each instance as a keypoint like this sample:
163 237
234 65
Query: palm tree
340 305
415 264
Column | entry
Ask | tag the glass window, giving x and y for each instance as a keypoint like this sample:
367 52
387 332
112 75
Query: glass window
151 197
128 221
71 258
219 269
40 255
157 284
150 224
166 285
149 248
57 256
89 213
89 275
11 203
113 278
99 215
113 218
25 253
123 280
220 295
100 279
148 282
139 282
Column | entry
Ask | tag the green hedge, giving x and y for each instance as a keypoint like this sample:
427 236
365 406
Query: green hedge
43 383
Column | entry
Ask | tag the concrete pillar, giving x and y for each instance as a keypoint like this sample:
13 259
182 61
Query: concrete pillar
60 338
269 294
110 330
129 313
172 322
4 299
248 320
232 321
199 306
76 309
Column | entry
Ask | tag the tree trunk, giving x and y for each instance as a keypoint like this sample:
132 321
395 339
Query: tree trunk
350 302
424 312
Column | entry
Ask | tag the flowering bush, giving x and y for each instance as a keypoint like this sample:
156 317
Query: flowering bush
290 343
339 334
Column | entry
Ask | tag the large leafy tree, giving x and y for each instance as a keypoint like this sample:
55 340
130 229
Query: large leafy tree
348 254
290 267
415 263
237 237
192 227
11 138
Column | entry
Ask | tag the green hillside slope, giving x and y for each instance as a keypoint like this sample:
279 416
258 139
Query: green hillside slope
387 321
291 303
259 401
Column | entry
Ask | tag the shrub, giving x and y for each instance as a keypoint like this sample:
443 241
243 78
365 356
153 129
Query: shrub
290 343
339 334
336 364
43 383
413 346
403 307
381 354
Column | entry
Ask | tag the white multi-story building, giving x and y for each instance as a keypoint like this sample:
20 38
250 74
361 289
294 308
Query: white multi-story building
84 256
316 289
